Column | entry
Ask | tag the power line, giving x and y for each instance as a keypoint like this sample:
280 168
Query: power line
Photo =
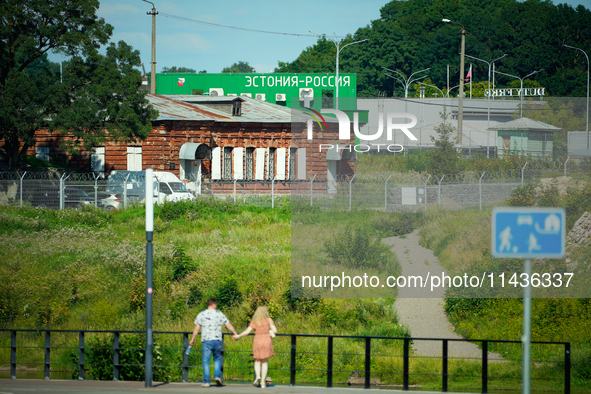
236 27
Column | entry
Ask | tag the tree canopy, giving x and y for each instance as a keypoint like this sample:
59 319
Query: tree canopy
97 96
240 67
410 36
175 69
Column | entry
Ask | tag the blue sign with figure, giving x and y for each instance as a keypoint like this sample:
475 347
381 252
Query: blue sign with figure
528 232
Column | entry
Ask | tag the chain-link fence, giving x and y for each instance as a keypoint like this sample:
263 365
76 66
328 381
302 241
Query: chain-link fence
389 192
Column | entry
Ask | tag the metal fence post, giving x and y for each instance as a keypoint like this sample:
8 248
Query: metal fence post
273 192
292 368
21 188
235 190
329 362
350 190
367 362
62 191
81 355
405 363
311 189
125 191
95 189
567 368
47 354
485 366
566 161
116 355
480 188
439 189
522 171
13 354
444 373
426 181
386 194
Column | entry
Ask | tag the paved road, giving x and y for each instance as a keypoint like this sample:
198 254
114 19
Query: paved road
18 386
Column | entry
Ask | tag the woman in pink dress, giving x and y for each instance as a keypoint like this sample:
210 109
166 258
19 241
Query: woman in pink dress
262 346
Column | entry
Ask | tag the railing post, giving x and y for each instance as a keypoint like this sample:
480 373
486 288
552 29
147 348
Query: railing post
185 358
566 161
235 190
367 362
292 378
429 177
329 362
13 354
567 368
47 354
125 191
116 355
405 362
439 189
273 192
485 366
81 355
444 367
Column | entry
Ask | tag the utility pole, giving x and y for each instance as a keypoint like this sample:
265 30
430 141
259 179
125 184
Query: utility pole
153 69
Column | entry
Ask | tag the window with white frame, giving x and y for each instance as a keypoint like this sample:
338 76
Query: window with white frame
249 175
291 169
271 163
134 158
97 159
227 167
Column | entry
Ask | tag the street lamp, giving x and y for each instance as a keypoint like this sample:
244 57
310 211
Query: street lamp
153 69
521 91
587 123
406 82
461 93
337 44
488 99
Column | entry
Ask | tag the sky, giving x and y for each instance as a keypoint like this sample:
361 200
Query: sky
183 43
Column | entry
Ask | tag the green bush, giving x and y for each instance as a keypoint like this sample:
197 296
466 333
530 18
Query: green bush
357 249
228 294
98 360
181 263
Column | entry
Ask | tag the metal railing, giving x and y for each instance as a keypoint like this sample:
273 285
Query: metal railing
293 368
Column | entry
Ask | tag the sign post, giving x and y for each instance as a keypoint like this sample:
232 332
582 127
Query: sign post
528 233
149 290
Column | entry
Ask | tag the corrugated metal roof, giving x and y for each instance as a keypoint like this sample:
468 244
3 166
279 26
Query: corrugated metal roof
525 124
187 107
170 109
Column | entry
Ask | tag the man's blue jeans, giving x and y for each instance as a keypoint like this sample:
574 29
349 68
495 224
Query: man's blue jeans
207 348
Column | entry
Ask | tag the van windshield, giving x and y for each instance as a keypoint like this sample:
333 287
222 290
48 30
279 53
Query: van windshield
178 187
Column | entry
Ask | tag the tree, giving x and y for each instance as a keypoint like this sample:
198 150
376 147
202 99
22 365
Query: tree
175 69
444 159
240 67
99 96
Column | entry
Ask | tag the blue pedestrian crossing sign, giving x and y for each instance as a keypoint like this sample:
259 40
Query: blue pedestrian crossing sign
528 232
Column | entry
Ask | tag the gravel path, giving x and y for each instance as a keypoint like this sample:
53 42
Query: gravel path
425 317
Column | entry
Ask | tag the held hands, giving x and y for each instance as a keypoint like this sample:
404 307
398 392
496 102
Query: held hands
236 337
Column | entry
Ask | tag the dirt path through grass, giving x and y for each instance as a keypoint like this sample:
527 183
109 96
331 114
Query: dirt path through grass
425 317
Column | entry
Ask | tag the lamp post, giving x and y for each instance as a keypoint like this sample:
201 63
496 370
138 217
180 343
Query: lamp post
521 90
153 68
488 99
587 123
337 44
461 92
406 82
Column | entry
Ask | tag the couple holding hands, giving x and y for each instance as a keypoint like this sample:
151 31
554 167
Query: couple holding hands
211 321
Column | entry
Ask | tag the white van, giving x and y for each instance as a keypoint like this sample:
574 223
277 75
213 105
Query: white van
170 188
167 186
